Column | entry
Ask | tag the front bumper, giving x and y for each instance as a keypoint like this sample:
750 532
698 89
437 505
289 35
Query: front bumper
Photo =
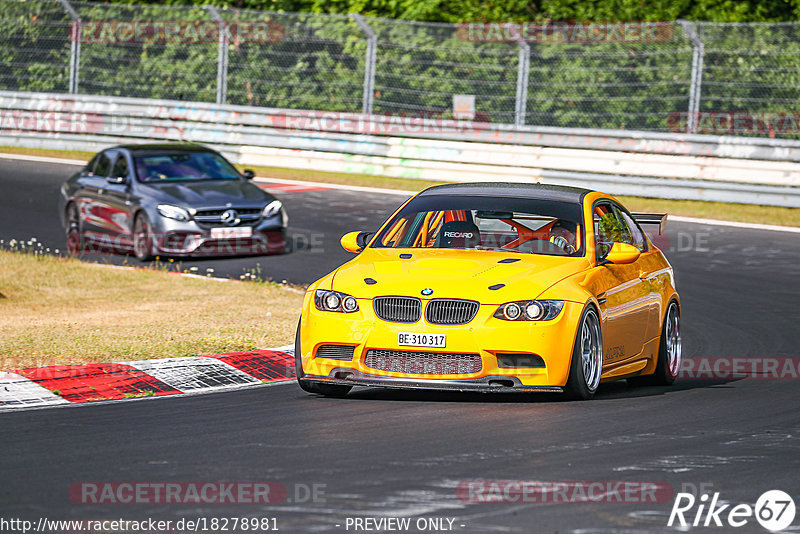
202 244
185 238
488 384
485 336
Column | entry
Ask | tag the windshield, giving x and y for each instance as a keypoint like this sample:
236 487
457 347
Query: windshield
486 223
180 166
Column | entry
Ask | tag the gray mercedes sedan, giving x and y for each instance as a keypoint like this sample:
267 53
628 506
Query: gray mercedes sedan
175 199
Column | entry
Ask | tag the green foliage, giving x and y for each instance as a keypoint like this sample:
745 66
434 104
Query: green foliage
521 10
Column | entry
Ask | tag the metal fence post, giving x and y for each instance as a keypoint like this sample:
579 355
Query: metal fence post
75 46
698 53
222 54
369 67
523 71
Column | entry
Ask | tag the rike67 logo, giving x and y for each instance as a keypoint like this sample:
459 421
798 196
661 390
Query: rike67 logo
774 510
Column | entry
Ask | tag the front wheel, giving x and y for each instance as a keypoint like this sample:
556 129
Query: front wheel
587 358
73 230
143 238
326 390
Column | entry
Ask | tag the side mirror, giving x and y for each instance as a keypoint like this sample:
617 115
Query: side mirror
621 254
355 241
248 174
117 180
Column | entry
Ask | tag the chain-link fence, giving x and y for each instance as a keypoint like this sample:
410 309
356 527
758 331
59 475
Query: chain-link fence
680 77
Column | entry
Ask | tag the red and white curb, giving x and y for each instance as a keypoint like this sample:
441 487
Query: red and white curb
57 385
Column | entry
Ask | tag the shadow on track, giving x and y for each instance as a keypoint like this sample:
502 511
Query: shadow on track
610 391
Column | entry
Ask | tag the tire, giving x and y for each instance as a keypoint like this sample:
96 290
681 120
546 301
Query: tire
143 239
288 246
587 358
326 390
669 352
74 236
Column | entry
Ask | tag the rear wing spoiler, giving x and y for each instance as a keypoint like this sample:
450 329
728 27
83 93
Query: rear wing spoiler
652 218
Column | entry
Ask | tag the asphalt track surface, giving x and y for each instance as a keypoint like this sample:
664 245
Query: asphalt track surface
404 454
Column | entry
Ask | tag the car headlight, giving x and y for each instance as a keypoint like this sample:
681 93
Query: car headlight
530 310
173 212
335 302
272 209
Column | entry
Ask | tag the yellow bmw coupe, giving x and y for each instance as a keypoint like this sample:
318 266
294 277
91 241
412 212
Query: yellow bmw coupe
495 287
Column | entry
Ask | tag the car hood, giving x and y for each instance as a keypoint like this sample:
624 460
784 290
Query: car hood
207 193
453 274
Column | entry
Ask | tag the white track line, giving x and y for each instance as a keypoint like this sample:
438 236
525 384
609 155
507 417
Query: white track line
735 224
343 187
43 159
398 192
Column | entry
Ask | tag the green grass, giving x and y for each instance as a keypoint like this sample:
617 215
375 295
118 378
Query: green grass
750 213
60 311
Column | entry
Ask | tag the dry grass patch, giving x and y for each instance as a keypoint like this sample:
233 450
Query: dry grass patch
60 311
65 154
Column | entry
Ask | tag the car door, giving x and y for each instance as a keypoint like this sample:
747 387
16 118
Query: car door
89 197
117 202
621 293
651 273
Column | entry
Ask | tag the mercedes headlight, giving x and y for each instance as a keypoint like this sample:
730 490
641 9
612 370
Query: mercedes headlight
274 208
529 310
173 212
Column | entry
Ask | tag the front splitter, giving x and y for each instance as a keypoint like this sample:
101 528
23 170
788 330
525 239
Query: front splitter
487 384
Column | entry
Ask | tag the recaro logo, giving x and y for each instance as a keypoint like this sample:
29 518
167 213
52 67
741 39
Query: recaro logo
774 510
458 234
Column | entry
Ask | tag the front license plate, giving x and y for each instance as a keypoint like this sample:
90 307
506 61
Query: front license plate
231 233
409 339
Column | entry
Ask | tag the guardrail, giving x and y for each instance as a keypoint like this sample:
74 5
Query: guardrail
678 166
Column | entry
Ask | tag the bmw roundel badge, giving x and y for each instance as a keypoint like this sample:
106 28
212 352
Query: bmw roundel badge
427 292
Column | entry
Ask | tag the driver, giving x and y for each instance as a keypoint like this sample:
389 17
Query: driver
563 235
